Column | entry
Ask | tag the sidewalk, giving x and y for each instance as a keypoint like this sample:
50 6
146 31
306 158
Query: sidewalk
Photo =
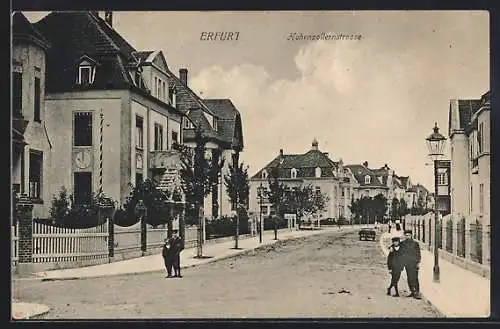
25 311
460 293
154 263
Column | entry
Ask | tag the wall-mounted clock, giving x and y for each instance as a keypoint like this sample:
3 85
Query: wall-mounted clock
139 161
83 159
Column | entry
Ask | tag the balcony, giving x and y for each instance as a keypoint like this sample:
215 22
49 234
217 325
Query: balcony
164 159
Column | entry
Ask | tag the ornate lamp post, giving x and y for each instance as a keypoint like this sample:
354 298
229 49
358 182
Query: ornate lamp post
260 195
435 143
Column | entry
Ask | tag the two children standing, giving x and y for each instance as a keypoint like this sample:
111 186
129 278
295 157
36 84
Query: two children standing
171 256
404 255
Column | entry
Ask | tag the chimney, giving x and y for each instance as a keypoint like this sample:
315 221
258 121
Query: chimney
108 18
314 145
365 164
281 152
183 76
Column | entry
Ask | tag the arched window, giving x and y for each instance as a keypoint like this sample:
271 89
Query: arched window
293 173
367 179
318 172
264 174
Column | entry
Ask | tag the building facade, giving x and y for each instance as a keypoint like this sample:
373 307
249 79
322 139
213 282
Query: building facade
105 115
469 133
313 168
31 146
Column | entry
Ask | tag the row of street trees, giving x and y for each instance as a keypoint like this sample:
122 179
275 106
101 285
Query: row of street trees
369 210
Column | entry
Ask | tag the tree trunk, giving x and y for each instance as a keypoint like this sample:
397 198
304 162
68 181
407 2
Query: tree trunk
199 240
237 231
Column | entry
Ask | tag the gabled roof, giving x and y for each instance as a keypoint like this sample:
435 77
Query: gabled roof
382 172
229 127
186 98
305 164
84 34
418 189
198 118
23 30
360 172
142 56
467 108
229 120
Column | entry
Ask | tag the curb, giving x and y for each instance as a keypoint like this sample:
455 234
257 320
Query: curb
208 261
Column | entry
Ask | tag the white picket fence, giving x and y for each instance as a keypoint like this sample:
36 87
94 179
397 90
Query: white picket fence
15 244
55 244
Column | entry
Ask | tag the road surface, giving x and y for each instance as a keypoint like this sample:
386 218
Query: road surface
328 275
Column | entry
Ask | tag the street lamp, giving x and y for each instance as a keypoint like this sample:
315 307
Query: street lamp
260 195
435 143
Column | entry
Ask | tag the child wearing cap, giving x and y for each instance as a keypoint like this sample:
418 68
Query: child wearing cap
395 265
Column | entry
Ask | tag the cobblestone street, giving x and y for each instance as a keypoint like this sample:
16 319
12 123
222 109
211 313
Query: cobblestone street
328 275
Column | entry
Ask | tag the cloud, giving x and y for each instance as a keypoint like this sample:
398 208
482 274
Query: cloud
361 104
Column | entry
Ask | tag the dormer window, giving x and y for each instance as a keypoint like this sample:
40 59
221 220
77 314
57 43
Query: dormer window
367 179
264 174
86 72
293 173
318 172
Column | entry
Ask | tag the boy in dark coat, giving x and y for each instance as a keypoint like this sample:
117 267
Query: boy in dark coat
176 255
167 256
395 265
411 261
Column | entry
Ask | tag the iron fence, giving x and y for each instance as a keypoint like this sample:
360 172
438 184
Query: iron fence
423 231
461 238
449 235
476 242
418 229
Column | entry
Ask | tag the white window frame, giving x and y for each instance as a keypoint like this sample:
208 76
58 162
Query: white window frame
139 142
264 174
293 173
317 172
368 179
91 70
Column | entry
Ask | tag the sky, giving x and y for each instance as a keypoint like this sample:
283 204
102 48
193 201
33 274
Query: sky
375 99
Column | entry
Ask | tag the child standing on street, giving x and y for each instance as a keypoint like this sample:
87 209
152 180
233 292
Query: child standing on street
395 265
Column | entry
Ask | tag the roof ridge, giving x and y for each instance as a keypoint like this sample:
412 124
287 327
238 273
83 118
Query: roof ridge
99 28
191 92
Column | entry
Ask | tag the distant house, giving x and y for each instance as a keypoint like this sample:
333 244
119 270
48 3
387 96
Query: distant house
416 196
313 167
369 182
